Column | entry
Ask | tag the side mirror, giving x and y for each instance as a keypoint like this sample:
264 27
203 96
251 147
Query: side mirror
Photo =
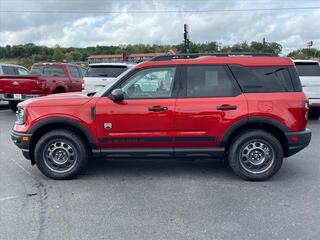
117 95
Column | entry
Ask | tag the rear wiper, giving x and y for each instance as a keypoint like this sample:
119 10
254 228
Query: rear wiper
277 70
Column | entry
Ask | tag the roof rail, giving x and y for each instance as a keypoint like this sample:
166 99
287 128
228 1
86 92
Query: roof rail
216 54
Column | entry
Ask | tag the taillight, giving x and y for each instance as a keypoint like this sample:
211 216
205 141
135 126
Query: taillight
82 84
42 83
306 109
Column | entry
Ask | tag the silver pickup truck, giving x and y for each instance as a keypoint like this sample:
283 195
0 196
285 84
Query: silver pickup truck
309 73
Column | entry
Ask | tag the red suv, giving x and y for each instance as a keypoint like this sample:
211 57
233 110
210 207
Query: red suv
248 109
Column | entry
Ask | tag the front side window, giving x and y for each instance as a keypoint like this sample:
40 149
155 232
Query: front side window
209 81
53 71
150 83
22 71
37 70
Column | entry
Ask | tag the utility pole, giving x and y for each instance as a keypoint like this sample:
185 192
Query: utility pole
186 38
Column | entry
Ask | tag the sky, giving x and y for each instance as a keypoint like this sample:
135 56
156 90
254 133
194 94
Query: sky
82 23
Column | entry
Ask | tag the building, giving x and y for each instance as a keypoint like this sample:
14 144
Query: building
133 57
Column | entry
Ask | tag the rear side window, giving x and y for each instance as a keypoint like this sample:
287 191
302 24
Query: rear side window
53 71
105 71
209 81
263 79
308 68
8 70
74 72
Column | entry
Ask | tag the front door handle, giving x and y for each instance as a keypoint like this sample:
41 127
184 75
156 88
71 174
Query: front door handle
226 107
157 109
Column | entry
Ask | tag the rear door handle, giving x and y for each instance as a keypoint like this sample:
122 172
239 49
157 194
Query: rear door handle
157 108
227 107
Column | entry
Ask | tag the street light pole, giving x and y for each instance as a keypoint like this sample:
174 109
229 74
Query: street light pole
186 38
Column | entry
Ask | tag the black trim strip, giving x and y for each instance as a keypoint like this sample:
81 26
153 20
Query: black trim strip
159 139
161 152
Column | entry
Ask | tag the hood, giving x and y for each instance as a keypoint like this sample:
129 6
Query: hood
62 99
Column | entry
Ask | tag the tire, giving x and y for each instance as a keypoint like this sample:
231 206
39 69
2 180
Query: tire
13 105
314 114
255 155
61 154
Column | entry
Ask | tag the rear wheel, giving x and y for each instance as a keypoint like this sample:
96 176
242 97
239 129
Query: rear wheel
13 105
61 154
255 155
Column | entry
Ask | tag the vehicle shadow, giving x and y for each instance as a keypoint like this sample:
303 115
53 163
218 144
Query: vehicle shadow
4 105
155 168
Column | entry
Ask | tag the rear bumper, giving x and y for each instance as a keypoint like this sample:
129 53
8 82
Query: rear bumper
17 97
314 102
22 140
297 141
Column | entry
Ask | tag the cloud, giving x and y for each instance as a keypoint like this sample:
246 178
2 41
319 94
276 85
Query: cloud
290 28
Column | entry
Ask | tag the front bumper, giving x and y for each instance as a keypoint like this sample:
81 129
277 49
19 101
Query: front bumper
22 140
297 141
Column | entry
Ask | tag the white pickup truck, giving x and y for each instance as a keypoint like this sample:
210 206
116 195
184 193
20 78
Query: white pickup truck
309 73
101 74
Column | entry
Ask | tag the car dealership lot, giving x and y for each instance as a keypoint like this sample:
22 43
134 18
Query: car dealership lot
159 199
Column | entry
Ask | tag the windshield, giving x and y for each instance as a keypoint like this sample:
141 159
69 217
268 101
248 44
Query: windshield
105 71
109 84
308 69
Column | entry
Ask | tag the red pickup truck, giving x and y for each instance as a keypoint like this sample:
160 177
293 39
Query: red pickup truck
45 78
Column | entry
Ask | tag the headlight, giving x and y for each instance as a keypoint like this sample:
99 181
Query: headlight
21 116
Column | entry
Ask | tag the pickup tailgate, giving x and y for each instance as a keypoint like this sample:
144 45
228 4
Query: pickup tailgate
22 84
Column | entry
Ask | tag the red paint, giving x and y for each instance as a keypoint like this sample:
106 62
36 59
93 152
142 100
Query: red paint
185 117
40 85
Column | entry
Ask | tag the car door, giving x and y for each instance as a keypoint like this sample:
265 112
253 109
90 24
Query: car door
76 79
141 124
209 102
56 76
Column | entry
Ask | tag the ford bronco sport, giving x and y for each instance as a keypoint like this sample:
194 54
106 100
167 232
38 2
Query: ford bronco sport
248 109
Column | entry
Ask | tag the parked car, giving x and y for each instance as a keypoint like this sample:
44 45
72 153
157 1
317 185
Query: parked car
99 74
309 73
45 78
248 109
12 69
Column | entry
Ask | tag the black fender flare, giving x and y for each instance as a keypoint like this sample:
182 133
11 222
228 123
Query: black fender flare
70 121
251 120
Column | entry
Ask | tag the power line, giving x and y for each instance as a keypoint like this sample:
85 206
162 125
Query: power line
159 11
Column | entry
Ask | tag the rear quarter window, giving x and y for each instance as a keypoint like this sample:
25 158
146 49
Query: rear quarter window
263 78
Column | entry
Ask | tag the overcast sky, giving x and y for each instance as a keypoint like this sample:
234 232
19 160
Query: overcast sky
90 24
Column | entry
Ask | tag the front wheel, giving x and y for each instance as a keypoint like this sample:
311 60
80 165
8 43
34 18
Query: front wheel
255 155
61 154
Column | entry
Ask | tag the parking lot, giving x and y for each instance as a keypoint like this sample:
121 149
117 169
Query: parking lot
160 199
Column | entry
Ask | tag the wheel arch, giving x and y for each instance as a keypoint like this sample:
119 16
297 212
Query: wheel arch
59 89
270 125
52 123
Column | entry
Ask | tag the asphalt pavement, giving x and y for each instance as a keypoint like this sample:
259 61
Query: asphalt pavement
158 199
